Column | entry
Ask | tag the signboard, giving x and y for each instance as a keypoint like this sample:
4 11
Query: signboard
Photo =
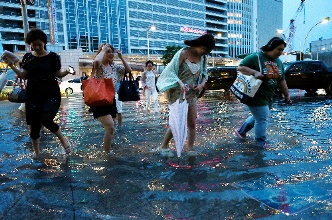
191 30
53 22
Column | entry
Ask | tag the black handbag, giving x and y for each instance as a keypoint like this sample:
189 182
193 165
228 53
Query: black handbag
18 95
129 89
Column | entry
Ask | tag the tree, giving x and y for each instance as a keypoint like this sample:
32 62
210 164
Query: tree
169 53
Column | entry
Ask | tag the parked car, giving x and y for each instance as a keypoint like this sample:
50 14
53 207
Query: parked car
221 77
71 86
10 84
309 75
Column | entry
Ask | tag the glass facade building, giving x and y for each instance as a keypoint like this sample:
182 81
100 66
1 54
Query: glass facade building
241 28
11 25
125 24
169 19
91 23
216 24
251 24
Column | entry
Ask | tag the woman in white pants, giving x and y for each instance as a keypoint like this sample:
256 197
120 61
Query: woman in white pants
149 85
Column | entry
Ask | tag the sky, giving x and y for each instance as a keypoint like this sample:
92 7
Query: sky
313 12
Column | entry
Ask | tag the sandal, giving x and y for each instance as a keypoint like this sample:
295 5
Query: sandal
68 149
36 156
165 152
192 153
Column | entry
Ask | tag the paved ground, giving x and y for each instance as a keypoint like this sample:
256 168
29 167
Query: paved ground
231 179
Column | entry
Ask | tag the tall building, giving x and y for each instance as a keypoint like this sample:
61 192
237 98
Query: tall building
239 26
269 20
125 24
217 25
251 24
91 23
11 23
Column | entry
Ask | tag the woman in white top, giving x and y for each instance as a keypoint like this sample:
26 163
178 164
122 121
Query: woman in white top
149 85
186 73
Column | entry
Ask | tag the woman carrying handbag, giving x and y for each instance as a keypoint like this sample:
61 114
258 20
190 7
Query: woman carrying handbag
41 69
104 66
273 75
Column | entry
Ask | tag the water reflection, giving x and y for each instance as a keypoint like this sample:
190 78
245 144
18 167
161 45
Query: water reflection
230 178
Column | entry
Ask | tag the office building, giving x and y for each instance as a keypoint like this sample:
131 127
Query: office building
127 24
321 46
269 20
251 24
320 50
11 25
217 25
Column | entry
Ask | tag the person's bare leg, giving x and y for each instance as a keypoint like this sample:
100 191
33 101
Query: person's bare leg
191 123
43 128
108 124
64 141
35 144
156 104
119 118
167 138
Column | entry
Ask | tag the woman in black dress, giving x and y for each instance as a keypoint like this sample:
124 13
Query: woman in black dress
40 69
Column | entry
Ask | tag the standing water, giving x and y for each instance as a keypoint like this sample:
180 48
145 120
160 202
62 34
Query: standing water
230 179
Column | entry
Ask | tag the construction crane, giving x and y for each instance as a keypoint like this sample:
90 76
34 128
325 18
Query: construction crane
292 27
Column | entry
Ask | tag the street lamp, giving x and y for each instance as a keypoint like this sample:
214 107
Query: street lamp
151 28
281 33
324 21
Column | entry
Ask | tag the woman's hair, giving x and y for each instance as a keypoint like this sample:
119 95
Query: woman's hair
101 47
206 40
147 62
36 34
273 43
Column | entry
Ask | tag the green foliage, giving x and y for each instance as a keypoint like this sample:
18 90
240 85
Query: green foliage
169 53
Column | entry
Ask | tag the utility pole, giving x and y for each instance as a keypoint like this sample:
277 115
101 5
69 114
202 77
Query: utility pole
25 21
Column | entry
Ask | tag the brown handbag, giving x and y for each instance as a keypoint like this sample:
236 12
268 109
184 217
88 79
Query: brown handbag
98 92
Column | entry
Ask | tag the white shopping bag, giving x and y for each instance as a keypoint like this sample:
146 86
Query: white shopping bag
3 79
10 56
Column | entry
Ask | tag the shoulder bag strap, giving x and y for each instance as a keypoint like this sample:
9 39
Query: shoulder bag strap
259 63
92 72
131 77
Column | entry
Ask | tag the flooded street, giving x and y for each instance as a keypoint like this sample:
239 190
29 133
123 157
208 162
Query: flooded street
230 179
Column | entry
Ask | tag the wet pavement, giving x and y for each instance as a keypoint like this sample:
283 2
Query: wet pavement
230 179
